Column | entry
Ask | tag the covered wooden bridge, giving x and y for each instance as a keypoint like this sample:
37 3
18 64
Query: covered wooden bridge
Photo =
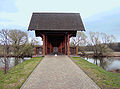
55 29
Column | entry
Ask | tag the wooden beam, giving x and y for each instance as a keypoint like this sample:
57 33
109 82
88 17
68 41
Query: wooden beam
68 45
43 44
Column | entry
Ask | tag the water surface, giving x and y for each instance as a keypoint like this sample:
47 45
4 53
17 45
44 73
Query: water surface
109 64
12 61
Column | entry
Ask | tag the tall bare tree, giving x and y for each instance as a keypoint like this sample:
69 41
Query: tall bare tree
4 40
100 42
95 41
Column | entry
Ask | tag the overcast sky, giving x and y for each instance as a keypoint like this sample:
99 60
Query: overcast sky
17 13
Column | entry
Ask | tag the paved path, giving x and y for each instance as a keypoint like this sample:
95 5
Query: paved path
58 72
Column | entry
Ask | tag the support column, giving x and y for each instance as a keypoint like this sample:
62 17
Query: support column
52 48
61 47
43 44
76 51
35 50
65 45
68 45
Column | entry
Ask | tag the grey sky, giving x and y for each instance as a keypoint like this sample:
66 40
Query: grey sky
17 13
20 11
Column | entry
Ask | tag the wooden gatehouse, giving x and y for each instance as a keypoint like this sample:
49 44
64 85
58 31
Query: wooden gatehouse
55 29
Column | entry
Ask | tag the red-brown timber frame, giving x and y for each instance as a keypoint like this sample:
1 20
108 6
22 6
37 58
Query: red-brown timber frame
68 45
46 44
63 47
43 44
35 50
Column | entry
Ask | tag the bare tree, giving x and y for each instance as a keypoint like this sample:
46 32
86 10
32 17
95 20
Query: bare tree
18 39
95 41
35 41
106 41
80 41
4 40
100 42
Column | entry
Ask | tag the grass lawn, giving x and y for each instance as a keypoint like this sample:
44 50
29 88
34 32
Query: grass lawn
104 79
17 75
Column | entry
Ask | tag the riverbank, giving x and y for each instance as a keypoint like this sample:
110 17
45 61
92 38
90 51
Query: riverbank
17 75
104 79
91 54
111 64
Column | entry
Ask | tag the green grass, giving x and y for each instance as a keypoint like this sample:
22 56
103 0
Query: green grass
17 75
104 79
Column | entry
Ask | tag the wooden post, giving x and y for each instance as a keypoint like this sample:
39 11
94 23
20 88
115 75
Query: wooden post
43 44
46 44
35 50
65 44
61 47
64 47
68 45
76 51
50 48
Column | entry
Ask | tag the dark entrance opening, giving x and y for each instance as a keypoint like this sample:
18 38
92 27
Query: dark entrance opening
55 50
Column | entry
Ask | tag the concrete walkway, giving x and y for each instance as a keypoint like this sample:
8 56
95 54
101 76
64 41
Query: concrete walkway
58 72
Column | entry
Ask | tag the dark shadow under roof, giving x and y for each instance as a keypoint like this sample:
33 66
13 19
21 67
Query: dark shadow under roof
56 21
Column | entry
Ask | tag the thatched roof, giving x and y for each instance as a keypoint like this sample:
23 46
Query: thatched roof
56 21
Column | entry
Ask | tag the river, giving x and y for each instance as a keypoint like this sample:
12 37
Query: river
12 61
111 64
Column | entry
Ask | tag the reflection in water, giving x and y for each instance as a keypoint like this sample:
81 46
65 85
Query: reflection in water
12 61
109 64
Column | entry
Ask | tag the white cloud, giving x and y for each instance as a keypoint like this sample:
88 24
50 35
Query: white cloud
7 6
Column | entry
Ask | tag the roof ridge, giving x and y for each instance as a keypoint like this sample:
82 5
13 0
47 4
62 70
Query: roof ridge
54 13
